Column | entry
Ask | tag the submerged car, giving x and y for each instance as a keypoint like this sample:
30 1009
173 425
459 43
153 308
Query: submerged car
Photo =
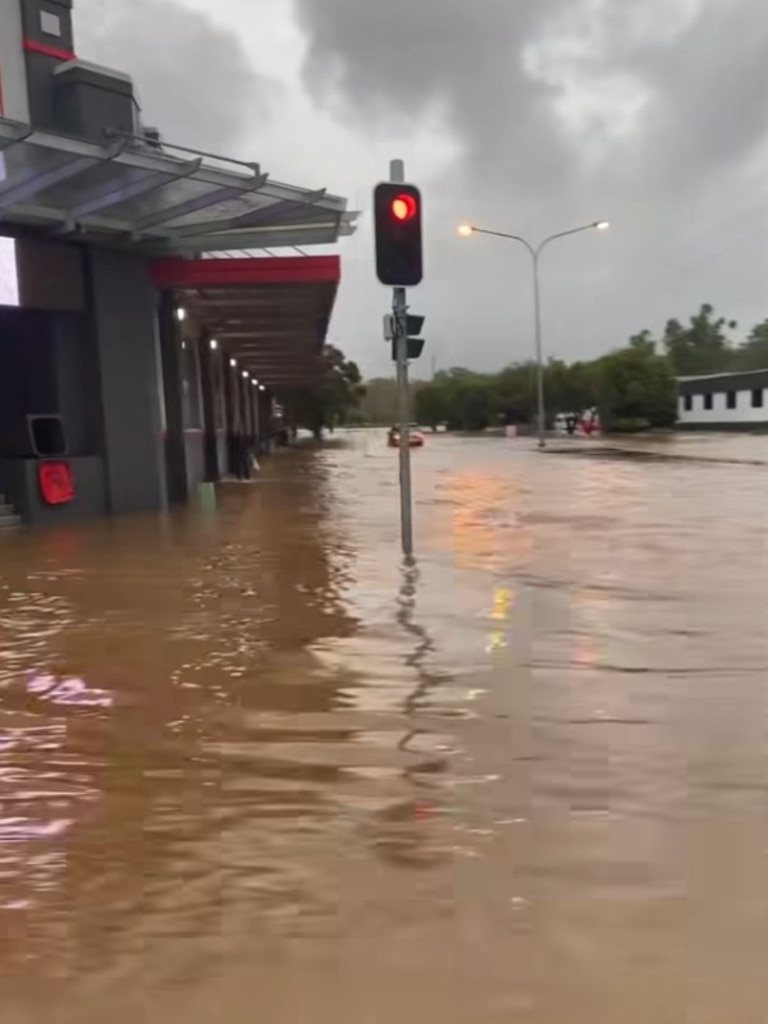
415 436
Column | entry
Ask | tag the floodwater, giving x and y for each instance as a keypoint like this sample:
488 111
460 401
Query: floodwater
252 769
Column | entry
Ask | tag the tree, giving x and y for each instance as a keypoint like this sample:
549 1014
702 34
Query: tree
328 402
644 340
379 404
467 401
701 347
753 354
636 389
569 388
431 405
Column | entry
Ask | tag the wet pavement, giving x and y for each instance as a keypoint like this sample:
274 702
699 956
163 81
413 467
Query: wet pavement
253 769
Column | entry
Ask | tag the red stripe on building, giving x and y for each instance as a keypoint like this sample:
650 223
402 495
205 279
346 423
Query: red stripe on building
31 46
181 273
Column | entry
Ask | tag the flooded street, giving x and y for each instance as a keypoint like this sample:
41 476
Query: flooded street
253 769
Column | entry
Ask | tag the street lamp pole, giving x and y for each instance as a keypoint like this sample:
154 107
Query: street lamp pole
535 254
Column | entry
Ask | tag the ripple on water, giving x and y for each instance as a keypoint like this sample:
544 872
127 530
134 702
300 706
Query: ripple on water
252 753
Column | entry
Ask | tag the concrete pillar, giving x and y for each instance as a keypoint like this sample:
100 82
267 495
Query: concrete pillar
124 310
210 445
256 425
265 420
174 441
245 398
231 410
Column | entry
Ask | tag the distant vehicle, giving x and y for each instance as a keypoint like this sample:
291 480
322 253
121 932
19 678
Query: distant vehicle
581 424
415 436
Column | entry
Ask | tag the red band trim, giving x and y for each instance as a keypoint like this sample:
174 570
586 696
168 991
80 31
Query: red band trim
174 272
32 46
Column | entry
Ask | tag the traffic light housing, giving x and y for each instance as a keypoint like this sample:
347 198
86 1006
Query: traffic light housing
397 216
414 348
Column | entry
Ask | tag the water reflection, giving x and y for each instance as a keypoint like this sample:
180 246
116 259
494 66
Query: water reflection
252 760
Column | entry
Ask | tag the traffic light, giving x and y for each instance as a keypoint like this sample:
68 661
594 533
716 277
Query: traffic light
415 346
397 215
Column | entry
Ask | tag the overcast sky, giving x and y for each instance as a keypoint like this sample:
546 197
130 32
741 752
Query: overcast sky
528 116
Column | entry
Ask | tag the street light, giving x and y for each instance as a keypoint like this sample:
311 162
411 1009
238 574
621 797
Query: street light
535 251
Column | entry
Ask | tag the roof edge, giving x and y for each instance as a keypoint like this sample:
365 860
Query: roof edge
176 272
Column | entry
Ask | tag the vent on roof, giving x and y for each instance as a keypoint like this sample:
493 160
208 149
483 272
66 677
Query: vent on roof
153 136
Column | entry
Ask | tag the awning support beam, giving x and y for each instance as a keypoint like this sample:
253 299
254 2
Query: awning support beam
325 233
112 196
18 133
13 195
268 215
219 195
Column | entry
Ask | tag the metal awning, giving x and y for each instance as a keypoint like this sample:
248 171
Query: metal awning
161 199
271 315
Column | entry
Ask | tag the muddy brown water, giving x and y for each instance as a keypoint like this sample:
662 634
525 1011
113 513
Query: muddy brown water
252 769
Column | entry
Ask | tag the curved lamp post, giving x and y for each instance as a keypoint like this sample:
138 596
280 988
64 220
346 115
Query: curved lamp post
535 252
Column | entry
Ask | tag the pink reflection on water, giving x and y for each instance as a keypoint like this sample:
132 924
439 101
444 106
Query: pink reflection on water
68 692
19 830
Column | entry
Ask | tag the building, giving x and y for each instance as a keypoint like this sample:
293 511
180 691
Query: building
724 401
136 351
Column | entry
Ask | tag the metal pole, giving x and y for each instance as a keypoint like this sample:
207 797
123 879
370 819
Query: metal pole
535 254
541 413
400 310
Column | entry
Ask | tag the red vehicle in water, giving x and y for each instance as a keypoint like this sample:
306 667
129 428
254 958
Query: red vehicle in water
415 436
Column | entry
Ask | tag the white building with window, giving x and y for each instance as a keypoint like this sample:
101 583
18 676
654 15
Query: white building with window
724 401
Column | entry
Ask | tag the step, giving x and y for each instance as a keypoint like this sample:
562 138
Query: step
10 522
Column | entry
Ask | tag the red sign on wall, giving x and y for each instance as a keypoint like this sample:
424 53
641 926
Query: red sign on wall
57 485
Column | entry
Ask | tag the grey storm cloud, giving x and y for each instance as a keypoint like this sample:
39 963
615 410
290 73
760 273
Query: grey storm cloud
661 89
649 112
193 78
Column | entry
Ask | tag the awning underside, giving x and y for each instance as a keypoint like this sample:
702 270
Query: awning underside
275 332
127 192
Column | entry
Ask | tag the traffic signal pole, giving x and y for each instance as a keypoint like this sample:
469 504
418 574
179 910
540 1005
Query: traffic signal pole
400 311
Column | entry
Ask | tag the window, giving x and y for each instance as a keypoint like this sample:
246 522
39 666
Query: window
757 398
731 400
50 23
708 402
688 403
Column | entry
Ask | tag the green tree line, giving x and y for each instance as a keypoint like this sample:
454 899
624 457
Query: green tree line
633 387
330 400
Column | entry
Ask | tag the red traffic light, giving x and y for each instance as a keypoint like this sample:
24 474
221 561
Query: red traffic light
404 207
397 212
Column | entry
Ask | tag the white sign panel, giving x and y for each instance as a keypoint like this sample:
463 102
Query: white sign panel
9 275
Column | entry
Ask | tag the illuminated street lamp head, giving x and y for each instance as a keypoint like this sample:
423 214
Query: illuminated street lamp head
233 363
465 230
602 225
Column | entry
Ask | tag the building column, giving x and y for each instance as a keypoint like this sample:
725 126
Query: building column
265 419
175 447
246 440
123 306
231 413
210 443
245 397
255 419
